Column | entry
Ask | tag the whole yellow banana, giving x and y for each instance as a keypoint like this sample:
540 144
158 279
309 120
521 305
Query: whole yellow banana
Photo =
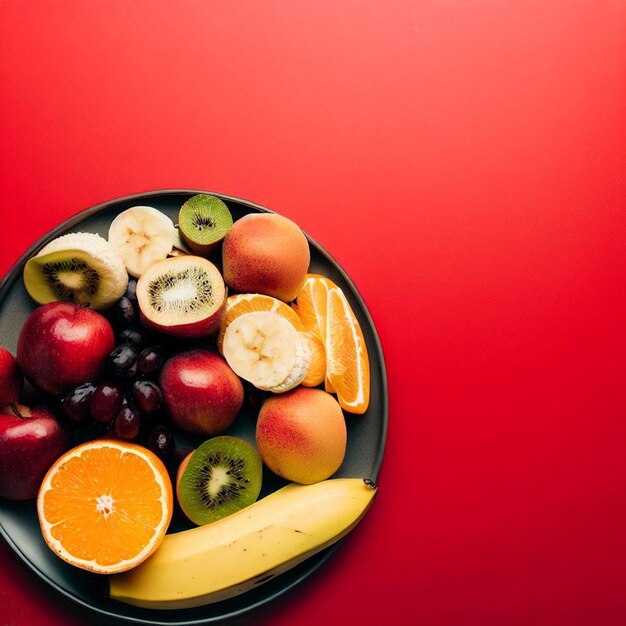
231 556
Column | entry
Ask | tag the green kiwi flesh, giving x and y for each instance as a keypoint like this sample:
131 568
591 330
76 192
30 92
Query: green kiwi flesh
221 477
66 275
203 222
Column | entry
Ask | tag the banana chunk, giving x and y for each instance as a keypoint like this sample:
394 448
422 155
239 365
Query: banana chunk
266 350
142 236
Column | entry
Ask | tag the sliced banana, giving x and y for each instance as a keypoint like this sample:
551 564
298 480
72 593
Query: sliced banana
180 247
142 236
77 267
267 351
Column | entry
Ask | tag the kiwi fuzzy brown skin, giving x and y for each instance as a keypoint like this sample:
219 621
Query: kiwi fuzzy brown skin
207 216
199 249
194 510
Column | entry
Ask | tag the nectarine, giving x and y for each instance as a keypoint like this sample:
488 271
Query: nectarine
301 435
266 253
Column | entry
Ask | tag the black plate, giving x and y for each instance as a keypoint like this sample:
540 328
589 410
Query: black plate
366 433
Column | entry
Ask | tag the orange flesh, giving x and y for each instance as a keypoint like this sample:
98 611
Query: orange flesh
347 362
317 370
105 506
311 304
326 314
252 303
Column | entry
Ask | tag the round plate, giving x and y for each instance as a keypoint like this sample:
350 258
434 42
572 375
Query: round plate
366 433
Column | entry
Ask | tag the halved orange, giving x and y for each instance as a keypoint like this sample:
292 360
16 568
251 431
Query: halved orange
347 362
251 303
105 505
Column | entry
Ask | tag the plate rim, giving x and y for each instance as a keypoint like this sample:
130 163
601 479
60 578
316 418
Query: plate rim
11 276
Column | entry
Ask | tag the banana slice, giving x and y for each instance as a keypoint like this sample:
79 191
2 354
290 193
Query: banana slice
267 351
142 236
77 267
180 247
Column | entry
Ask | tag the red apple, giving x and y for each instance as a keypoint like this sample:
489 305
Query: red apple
63 345
30 442
202 393
10 378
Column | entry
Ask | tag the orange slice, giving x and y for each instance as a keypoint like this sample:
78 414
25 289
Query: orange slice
251 303
311 304
317 370
105 506
347 362
326 314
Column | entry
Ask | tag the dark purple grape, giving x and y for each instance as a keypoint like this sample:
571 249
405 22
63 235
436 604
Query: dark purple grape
131 290
123 361
132 337
127 422
124 311
147 396
76 402
131 374
254 397
161 442
105 402
150 361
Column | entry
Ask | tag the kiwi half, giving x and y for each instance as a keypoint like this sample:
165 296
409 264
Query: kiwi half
221 477
183 296
64 276
203 222
78 267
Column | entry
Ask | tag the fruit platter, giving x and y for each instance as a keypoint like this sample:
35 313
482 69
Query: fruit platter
193 407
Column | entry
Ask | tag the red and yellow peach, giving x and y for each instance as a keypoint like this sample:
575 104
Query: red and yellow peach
266 253
301 435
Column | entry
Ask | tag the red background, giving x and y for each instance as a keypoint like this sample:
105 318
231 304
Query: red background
466 164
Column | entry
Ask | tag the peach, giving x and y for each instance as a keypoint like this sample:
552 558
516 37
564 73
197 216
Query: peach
266 253
301 435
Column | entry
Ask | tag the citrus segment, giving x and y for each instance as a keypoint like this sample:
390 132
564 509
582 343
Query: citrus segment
311 304
347 363
252 303
317 369
326 314
105 506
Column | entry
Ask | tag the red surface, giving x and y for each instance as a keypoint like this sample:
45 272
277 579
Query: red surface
466 163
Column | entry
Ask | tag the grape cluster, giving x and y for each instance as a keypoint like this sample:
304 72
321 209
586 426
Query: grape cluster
129 402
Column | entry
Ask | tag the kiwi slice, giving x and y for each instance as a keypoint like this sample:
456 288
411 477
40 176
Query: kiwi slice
219 478
78 267
204 221
183 296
